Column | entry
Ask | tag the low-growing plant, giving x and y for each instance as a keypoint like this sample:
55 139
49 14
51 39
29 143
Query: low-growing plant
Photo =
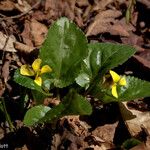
69 68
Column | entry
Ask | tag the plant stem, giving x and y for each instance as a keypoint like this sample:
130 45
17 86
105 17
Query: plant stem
7 115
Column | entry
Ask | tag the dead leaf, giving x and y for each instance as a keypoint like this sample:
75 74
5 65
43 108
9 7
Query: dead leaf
143 61
23 47
77 126
106 132
117 29
38 31
26 34
5 70
136 120
22 6
7 5
7 43
82 3
102 22
145 2
101 5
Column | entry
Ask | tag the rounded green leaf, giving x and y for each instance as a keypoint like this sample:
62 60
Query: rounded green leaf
34 114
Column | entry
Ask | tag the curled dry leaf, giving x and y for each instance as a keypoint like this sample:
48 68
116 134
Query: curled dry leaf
22 6
38 31
135 120
7 5
23 47
106 132
7 43
5 71
101 5
118 29
26 34
102 22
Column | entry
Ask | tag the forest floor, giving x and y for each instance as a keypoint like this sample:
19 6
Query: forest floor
23 27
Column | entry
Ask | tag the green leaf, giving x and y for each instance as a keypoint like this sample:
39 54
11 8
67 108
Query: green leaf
105 56
38 97
129 143
83 80
73 104
135 88
64 50
34 114
28 82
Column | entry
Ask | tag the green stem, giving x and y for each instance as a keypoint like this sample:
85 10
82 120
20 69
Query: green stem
7 115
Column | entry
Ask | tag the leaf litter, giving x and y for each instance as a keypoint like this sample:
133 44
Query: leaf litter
101 20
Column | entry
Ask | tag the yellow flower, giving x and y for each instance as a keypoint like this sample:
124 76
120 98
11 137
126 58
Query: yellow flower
117 80
35 70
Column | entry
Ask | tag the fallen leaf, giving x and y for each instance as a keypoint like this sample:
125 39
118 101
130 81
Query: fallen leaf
118 29
7 5
143 61
101 5
5 71
102 22
26 34
106 132
135 120
38 31
7 43
22 6
23 47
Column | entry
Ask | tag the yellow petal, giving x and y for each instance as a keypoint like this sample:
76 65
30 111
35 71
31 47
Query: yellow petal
114 91
26 70
114 76
36 65
38 81
122 81
46 69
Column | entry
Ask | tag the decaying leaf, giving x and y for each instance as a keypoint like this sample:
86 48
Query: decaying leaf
118 29
142 61
101 5
135 120
23 47
102 22
7 43
38 31
106 132
7 5
22 6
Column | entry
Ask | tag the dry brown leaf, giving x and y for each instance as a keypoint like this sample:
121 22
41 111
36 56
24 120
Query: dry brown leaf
143 61
50 4
23 48
26 34
82 3
7 5
7 43
22 6
145 2
102 22
38 32
101 5
106 132
135 120
5 71
118 29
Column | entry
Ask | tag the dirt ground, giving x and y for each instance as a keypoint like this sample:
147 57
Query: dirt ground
23 27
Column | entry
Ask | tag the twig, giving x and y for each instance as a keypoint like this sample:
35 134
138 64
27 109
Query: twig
22 14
